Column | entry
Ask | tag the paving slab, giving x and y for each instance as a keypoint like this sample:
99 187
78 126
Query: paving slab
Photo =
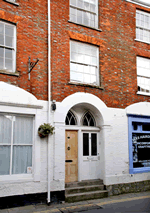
22 209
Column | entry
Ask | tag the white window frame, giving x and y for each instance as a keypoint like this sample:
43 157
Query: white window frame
85 64
77 8
13 48
143 80
36 166
142 31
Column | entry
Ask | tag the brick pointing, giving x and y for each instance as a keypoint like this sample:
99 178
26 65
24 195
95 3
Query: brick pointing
30 18
117 46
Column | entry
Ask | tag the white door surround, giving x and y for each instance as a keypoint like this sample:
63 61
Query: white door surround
79 103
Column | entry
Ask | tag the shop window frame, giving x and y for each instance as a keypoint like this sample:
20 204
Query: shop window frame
139 120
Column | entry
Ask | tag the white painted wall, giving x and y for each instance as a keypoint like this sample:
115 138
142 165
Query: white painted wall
113 123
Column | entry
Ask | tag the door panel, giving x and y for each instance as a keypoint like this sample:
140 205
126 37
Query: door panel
90 158
71 164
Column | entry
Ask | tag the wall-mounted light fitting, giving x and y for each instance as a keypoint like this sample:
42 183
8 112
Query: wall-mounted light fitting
53 105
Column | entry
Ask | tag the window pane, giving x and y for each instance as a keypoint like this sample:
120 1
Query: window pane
146 127
9 41
1 63
1 58
85 144
1 52
80 3
1 39
5 129
93 79
22 158
23 130
86 6
4 160
87 78
9 30
79 16
92 8
86 18
141 149
75 76
8 64
8 54
73 66
1 33
73 2
93 144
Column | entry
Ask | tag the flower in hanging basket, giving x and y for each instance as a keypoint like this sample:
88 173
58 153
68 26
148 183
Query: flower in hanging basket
45 129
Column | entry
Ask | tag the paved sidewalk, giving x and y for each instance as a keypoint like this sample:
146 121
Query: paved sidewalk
78 206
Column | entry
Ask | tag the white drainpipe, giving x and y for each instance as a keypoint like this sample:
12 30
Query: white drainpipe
49 106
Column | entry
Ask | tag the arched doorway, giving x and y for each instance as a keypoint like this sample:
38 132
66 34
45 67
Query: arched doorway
82 148
79 106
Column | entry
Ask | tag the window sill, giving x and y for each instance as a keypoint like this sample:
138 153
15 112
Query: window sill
139 3
85 85
141 41
143 93
85 26
9 73
139 170
11 2
16 178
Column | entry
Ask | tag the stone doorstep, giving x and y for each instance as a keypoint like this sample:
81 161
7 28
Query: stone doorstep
84 183
81 189
86 196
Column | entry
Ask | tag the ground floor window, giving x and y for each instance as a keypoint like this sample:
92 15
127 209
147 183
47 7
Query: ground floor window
139 144
16 141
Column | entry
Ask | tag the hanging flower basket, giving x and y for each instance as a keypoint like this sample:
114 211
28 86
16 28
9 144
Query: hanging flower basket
45 129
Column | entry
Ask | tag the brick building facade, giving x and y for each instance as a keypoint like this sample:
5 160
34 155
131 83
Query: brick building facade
99 71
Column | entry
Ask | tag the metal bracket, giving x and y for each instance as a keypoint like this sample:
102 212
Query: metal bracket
31 65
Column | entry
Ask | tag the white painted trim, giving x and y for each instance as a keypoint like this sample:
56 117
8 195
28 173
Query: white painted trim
143 93
21 105
141 108
74 99
16 178
141 41
138 2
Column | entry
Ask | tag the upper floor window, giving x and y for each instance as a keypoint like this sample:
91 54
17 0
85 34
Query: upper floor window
84 61
143 75
84 12
7 46
143 26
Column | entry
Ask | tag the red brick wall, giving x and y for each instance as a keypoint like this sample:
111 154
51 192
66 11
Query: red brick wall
30 18
117 47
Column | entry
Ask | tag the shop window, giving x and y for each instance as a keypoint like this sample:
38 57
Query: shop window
143 26
7 46
16 141
70 119
139 144
143 75
84 61
84 12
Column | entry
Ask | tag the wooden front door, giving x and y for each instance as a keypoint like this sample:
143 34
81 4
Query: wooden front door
71 163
